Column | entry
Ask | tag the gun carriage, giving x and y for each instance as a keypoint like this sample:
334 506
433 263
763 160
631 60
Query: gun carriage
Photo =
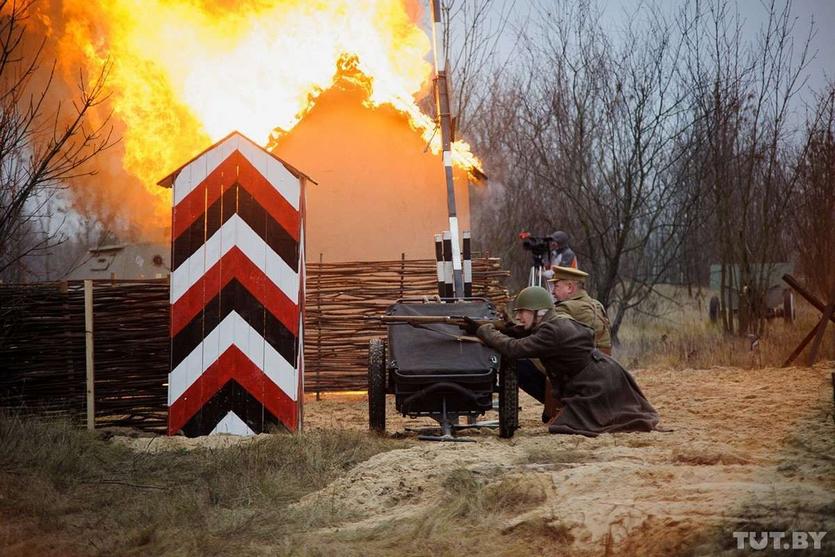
433 370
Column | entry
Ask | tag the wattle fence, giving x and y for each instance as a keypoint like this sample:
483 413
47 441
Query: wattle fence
42 337
42 351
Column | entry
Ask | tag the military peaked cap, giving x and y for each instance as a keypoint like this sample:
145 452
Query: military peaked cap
566 273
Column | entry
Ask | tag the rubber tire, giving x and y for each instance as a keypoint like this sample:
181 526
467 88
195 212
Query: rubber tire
788 306
713 309
377 385
508 400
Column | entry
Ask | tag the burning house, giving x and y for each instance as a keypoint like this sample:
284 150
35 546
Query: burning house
380 189
331 88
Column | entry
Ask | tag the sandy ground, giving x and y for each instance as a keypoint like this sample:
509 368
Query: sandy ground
749 450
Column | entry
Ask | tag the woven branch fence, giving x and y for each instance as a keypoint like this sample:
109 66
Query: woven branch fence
42 351
42 337
339 296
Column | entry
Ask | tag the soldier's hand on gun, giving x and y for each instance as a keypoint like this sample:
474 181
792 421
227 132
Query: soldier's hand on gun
513 330
470 325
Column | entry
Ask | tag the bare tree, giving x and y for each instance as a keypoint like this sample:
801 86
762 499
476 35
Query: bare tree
45 142
475 31
594 136
743 96
813 207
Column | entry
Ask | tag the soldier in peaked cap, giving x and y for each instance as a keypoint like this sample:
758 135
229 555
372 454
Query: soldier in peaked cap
568 287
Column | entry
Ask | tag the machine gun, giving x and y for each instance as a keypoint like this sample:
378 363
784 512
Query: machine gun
421 321
456 320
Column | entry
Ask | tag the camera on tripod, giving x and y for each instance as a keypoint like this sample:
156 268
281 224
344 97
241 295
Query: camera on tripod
537 245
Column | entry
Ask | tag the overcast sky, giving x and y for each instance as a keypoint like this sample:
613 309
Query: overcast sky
753 13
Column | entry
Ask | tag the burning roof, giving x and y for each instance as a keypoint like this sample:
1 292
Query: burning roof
184 73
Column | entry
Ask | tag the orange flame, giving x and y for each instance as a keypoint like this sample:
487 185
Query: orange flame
185 73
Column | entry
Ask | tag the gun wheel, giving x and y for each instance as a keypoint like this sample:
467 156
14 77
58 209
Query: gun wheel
377 385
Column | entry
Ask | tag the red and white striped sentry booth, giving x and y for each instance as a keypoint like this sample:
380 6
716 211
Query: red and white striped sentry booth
237 291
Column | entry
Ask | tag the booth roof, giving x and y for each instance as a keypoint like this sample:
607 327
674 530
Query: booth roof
168 181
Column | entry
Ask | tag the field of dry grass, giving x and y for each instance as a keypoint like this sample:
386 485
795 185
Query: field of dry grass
64 491
672 331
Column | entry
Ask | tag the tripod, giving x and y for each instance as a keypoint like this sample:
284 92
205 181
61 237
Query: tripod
537 277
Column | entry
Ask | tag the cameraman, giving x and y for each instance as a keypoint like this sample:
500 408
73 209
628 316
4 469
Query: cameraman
561 254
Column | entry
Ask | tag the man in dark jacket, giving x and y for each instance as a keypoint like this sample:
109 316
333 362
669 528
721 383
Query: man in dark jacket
561 253
597 394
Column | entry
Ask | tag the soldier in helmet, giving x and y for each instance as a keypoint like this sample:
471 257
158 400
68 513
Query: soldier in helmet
597 394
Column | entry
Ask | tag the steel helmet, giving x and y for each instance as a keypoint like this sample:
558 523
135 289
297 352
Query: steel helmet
533 298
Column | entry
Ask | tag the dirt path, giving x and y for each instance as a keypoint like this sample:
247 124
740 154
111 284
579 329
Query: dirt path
750 450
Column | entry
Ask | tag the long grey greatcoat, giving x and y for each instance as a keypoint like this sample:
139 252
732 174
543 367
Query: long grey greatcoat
598 395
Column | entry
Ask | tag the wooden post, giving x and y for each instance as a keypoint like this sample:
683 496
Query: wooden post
439 264
402 273
468 265
827 315
449 275
319 329
808 338
820 306
88 338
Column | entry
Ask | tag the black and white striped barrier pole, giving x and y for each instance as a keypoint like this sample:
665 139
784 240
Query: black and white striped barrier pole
468 265
449 290
439 264
443 112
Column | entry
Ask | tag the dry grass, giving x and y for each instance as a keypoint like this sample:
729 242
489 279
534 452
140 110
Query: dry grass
674 332
470 496
746 448
74 493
